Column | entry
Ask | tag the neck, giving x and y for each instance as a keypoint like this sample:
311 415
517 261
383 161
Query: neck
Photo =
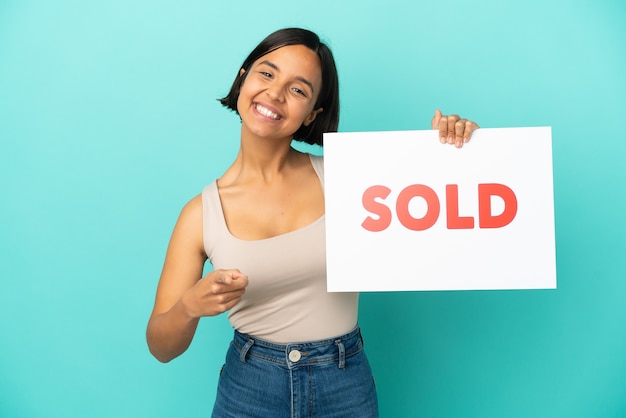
262 158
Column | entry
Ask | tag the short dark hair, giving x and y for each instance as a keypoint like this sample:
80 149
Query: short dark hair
328 99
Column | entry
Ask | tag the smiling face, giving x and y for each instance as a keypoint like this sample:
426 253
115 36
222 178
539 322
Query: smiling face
279 93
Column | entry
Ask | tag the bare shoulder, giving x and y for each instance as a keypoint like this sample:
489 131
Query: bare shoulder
189 225
192 211
186 243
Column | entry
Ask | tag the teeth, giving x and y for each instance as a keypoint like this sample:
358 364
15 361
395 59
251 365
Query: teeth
266 112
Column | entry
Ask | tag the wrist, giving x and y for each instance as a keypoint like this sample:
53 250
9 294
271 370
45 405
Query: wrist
187 308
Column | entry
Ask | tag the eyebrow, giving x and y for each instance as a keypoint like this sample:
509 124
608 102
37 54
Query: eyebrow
304 80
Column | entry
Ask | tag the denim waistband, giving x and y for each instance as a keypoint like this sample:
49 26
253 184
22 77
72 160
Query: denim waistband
292 355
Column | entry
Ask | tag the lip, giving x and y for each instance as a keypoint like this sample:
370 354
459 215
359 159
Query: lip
268 107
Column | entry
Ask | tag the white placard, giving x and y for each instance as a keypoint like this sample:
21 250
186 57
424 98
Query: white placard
404 212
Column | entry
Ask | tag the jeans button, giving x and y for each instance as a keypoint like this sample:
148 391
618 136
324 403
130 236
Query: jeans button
294 356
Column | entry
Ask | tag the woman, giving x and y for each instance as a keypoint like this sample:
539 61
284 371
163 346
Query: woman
297 349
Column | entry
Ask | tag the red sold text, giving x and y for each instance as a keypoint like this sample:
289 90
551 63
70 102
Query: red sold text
374 202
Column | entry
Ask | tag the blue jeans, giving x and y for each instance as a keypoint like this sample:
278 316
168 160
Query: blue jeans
322 379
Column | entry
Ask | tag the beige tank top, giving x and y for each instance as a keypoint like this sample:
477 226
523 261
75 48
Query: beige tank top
286 298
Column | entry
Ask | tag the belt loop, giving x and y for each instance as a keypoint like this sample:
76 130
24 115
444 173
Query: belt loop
245 349
342 354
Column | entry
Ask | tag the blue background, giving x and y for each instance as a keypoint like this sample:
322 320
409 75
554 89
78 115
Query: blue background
109 124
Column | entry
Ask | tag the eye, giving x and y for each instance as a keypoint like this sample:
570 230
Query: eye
299 91
265 74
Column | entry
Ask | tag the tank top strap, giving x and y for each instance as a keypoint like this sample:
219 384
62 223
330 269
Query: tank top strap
318 165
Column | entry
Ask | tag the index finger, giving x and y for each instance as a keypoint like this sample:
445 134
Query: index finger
452 120
230 277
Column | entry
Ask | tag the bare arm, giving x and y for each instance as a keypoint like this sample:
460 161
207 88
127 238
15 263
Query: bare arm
183 296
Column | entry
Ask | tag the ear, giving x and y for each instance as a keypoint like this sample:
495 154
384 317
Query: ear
241 72
309 119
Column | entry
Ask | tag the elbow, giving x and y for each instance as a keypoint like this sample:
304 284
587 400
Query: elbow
162 356
158 351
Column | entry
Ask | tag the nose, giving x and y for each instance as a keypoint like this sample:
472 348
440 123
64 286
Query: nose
275 93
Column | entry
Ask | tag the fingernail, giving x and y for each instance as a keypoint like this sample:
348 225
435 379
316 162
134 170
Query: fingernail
442 139
450 140
466 140
459 144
